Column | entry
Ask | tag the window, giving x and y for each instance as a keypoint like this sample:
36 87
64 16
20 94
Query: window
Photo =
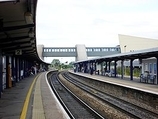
105 49
150 67
89 50
155 67
146 67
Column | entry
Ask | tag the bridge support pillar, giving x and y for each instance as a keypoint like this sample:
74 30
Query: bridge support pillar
81 52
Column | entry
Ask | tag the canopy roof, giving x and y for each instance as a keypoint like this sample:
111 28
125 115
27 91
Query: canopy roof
140 54
17 28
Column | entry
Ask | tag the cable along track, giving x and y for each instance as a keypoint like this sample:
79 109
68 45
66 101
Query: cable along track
126 107
75 107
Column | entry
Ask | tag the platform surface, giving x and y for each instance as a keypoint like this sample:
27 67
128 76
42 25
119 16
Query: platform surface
41 104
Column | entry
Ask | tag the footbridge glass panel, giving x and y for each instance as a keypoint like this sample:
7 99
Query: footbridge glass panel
72 52
59 52
102 51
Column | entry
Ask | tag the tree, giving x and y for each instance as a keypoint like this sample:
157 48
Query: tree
71 64
55 63
58 65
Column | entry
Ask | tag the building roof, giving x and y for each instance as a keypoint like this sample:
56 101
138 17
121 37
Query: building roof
139 54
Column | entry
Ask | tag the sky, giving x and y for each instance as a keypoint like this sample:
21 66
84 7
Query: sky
94 23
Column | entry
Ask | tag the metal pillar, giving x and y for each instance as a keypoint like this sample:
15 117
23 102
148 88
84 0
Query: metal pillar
156 70
19 75
106 66
102 68
24 69
77 67
131 69
109 65
1 74
85 67
17 69
89 65
115 64
21 68
13 70
95 67
122 69
8 72
7 76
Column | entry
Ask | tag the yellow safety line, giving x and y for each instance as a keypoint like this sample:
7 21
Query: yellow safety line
27 100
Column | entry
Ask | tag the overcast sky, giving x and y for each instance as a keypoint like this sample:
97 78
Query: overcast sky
65 23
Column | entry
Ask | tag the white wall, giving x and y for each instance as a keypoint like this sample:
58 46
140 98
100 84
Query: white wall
81 52
130 43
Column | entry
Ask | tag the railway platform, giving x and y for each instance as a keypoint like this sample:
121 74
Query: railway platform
31 98
126 82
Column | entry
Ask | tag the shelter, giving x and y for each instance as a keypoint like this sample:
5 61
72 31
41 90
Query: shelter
143 55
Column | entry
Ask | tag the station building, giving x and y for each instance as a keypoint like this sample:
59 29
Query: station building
135 52
132 43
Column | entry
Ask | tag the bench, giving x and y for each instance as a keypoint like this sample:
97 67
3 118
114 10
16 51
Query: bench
152 78
147 78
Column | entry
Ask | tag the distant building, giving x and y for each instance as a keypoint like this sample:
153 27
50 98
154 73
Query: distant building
132 43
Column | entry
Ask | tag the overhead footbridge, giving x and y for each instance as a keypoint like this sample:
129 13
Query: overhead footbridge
81 52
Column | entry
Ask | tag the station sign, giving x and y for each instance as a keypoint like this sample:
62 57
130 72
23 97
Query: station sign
18 52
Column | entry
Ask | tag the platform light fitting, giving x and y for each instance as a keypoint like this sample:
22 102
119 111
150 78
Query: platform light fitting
28 18
31 33
32 40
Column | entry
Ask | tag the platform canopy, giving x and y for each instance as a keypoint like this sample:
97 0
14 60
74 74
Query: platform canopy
139 54
18 28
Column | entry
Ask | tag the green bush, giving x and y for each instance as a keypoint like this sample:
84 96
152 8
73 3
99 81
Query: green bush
136 71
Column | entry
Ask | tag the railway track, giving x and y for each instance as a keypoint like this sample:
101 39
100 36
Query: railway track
131 110
75 107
